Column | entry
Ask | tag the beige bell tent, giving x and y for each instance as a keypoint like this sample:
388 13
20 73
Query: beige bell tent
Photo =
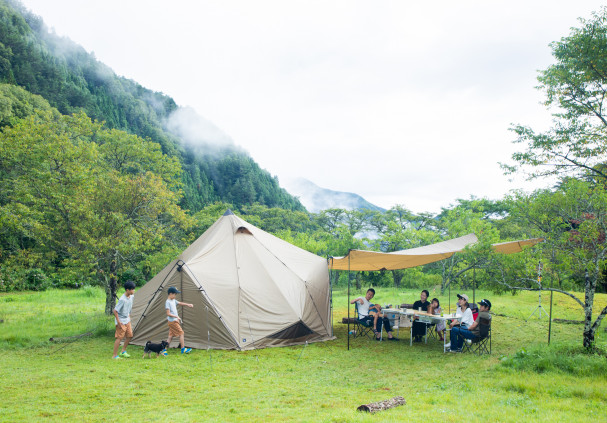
249 290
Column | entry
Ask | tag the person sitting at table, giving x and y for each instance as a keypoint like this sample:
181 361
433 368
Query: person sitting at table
368 312
463 316
458 333
436 310
419 329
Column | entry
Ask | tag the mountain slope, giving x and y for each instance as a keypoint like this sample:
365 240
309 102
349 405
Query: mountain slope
315 198
71 80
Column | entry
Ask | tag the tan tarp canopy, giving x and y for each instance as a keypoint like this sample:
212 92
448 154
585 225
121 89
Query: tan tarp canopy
361 260
512 247
249 290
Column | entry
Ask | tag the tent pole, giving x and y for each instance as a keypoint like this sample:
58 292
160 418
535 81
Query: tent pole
154 296
474 284
348 301
209 340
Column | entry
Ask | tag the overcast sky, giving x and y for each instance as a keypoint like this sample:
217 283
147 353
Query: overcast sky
401 102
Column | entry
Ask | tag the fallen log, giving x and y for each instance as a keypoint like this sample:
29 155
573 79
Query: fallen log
374 407
575 322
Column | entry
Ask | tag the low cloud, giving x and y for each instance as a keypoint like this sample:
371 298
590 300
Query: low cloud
196 131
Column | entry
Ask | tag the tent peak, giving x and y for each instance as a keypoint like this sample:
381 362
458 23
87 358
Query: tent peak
228 213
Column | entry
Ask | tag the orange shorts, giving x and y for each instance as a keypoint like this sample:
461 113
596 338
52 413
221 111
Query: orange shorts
175 329
124 330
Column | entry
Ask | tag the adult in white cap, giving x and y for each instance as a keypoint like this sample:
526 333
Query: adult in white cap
463 317
458 334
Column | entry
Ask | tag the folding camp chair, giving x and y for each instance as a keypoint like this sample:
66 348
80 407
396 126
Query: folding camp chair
474 310
362 327
481 344
431 331
429 326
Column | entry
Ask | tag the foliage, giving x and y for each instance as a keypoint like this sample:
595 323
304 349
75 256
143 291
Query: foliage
573 220
558 358
90 200
575 87
17 103
73 81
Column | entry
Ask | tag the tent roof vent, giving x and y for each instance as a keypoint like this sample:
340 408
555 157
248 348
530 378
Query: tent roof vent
228 212
243 230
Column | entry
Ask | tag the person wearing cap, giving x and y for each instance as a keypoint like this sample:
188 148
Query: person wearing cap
458 334
174 319
463 316
122 314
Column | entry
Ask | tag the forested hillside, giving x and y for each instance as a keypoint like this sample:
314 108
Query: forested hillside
72 80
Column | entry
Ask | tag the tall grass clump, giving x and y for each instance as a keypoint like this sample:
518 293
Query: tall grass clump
31 319
559 358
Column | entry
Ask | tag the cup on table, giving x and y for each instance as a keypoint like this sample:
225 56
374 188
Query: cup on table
419 309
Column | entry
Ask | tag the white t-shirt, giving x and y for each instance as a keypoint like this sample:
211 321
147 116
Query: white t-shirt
123 308
467 318
171 305
363 309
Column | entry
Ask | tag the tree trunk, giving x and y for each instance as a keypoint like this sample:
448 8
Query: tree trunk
357 278
588 305
398 277
110 290
336 275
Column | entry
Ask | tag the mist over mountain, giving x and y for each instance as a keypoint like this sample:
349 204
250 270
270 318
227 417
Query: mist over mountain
315 198
73 80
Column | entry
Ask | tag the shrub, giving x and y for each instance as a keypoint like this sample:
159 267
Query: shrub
11 279
36 280
134 275
570 359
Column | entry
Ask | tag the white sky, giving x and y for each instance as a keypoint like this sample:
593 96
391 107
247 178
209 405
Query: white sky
400 102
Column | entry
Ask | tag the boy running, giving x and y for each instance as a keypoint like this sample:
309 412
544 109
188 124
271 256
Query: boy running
174 319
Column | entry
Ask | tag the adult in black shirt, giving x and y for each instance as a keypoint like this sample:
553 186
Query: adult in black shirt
419 329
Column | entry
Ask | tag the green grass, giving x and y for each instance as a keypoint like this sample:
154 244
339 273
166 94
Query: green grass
75 378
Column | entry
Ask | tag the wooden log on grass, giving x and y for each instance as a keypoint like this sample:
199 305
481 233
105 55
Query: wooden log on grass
574 322
374 407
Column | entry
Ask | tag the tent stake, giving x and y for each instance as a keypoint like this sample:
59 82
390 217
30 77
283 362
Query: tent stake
301 353
209 339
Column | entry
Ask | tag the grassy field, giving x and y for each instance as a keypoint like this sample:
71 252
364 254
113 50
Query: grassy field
75 378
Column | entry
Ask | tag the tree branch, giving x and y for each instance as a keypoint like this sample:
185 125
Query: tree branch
521 288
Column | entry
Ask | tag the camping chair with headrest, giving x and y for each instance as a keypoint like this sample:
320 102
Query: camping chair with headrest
474 310
362 327
481 344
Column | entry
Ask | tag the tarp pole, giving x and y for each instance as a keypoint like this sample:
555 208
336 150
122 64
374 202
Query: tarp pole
182 299
348 301
474 284
550 318
450 295
331 293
